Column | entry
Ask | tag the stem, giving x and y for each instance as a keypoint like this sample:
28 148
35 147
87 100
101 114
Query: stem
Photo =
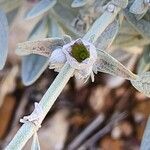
28 129
100 25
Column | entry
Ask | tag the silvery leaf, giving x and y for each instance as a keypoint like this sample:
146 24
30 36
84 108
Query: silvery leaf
35 143
3 39
142 26
65 23
120 3
138 7
142 83
11 15
78 3
43 47
66 17
122 56
107 37
30 73
40 30
40 8
32 67
54 29
140 16
127 59
144 63
107 64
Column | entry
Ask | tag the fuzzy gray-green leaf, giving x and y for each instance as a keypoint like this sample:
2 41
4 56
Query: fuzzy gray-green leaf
65 22
32 67
107 37
54 29
41 8
40 30
42 47
142 26
30 73
138 7
144 63
3 39
142 83
107 64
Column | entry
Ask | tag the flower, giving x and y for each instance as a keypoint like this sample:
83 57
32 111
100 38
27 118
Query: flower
80 54
86 59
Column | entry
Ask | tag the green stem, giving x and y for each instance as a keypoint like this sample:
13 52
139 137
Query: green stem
28 129
100 25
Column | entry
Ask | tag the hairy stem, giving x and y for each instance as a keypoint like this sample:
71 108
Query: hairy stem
100 25
28 129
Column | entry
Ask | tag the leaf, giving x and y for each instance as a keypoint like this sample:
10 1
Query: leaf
142 83
107 37
40 8
138 7
40 30
140 16
78 3
3 39
107 64
55 30
41 47
32 67
35 143
65 22
30 73
142 26
144 63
